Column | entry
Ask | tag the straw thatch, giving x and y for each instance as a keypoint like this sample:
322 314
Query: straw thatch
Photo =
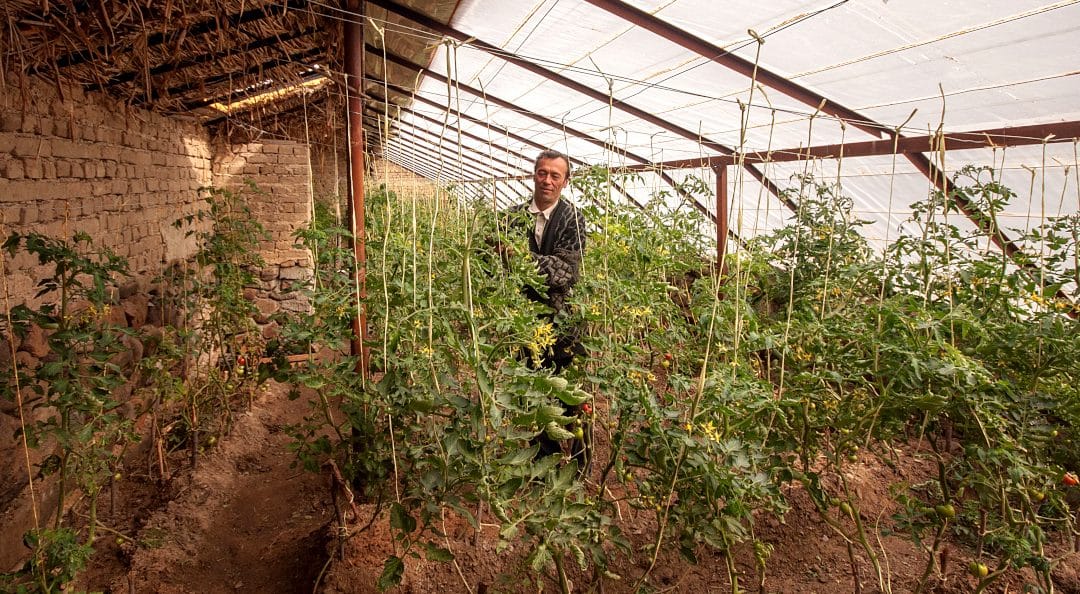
181 56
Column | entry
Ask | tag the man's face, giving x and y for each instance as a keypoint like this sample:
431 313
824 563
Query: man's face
549 179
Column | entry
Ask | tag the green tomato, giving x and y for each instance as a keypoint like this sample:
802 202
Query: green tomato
945 510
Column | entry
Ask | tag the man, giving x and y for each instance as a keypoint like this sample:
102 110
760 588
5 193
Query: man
556 231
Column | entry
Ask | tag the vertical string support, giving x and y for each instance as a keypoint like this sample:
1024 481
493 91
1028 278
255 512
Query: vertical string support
354 76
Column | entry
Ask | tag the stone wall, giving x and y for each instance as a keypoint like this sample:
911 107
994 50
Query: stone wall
82 162
282 202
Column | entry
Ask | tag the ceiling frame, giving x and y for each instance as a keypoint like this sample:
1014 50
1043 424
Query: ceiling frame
555 77
446 145
808 97
202 59
406 63
479 122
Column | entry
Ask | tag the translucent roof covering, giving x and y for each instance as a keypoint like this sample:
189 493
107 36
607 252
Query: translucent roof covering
623 84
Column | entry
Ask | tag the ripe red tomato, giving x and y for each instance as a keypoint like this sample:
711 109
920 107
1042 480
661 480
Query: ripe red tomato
1070 479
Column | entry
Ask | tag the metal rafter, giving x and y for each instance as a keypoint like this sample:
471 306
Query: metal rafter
434 121
426 156
1008 136
406 63
580 88
498 130
464 133
555 77
740 65
748 69
477 167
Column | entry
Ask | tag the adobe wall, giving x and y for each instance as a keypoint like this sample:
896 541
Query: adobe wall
281 172
86 163
83 162
282 202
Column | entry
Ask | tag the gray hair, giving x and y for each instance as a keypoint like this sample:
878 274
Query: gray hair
549 155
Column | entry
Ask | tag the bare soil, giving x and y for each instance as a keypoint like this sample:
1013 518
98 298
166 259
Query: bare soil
247 520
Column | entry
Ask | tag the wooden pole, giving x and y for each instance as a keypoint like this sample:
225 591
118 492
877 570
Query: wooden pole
354 76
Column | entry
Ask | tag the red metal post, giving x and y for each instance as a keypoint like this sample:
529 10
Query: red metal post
354 76
721 217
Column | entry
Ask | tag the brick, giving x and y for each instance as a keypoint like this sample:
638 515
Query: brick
30 124
33 168
14 169
10 122
63 168
26 146
49 169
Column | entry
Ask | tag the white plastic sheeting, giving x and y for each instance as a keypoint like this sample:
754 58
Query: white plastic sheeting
925 64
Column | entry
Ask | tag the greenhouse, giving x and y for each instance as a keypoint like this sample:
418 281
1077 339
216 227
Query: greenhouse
591 296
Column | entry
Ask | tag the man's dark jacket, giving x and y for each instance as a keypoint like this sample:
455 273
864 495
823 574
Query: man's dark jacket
558 255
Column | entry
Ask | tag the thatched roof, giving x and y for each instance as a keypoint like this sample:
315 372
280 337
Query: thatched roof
181 57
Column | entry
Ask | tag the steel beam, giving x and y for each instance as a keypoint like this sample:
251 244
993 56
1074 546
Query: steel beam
555 77
721 217
468 164
406 63
499 131
465 133
354 86
459 129
740 65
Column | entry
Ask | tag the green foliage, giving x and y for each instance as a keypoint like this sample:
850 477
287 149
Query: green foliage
812 352
708 392
217 344
58 555
84 425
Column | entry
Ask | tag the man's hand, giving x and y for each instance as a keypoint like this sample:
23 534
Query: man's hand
505 251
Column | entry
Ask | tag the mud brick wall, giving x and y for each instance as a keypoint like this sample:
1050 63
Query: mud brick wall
281 171
330 172
75 162
82 162
400 180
